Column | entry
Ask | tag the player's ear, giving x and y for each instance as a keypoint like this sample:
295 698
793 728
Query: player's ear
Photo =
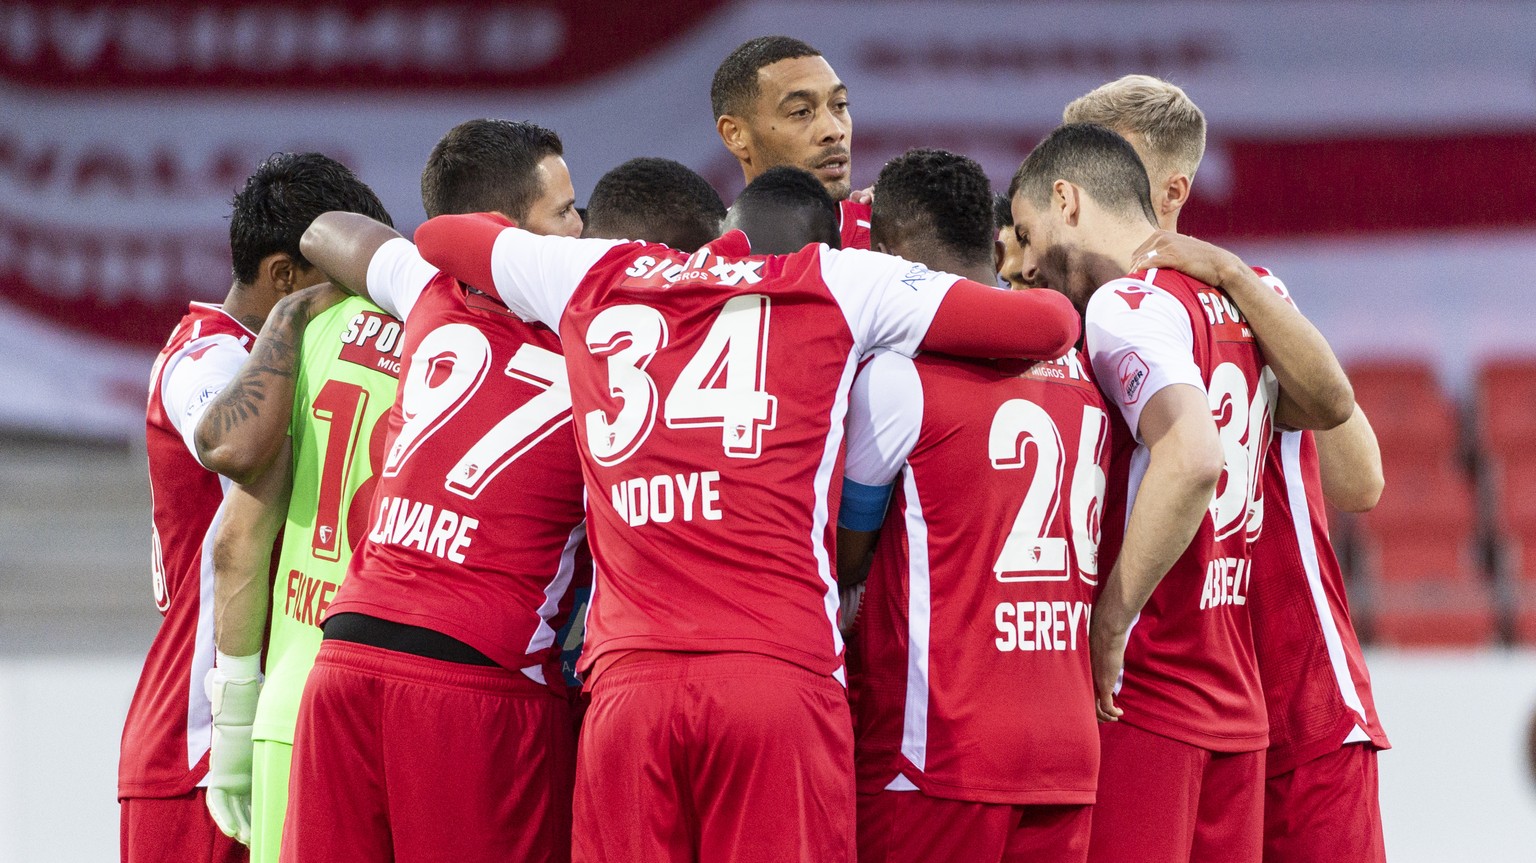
735 135
1175 194
281 272
1067 199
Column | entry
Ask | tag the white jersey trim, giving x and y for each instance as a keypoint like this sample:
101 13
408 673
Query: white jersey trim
397 276
556 589
914 722
199 707
831 596
1301 524
188 386
885 418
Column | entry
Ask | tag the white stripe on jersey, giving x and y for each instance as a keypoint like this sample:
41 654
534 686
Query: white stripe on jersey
914 723
832 597
199 708
1301 523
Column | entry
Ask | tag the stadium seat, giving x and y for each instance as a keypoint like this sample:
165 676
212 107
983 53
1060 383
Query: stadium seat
1419 551
1506 405
1407 407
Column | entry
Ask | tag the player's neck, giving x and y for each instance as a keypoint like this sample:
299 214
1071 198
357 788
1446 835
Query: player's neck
1112 256
249 305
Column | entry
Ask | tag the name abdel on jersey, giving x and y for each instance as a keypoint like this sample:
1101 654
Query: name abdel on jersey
373 340
1226 583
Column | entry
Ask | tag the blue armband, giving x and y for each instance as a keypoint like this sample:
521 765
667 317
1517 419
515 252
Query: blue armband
863 506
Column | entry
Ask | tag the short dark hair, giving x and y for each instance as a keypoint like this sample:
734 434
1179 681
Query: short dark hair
734 88
1002 212
285 194
482 166
1092 157
787 208
939 194
657 200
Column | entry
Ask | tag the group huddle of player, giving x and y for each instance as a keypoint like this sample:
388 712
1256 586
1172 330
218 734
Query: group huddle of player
1073 533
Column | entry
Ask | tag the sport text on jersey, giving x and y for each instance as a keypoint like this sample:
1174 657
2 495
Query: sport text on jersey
1223 315
373 341
649 271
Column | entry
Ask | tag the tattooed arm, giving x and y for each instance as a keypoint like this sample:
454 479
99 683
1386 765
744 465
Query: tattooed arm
246 424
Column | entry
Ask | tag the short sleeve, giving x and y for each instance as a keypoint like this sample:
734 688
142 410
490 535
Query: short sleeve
885 414
1139 340
396 277
888 302
535 276
197 375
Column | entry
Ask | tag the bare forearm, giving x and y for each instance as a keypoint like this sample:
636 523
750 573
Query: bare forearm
1315 392
1168 512
855 550
247 423
342 245
242 560
1350 461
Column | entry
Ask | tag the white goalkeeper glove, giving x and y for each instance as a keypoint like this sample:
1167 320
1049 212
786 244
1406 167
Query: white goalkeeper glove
233 685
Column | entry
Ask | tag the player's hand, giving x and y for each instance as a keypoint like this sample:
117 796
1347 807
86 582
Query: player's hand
862 196
1106 649
1194 258
848 608
313 300
229 754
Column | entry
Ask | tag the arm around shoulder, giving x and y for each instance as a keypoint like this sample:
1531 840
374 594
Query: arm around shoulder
1350 462
976 320
342 245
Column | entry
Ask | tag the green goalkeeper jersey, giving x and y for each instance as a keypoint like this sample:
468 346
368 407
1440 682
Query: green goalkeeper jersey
348 373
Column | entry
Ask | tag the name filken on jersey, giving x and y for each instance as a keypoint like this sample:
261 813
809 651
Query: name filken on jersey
307 598
373 340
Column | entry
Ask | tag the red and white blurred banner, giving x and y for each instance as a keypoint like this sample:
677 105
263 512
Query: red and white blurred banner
1382 140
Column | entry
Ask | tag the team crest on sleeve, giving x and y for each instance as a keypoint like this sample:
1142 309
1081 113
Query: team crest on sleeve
1133 375
1133 295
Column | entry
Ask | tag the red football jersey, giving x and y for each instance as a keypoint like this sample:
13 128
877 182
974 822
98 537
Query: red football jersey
709 394
973 680
854 227
1190 672
1315 681
477 517
170 721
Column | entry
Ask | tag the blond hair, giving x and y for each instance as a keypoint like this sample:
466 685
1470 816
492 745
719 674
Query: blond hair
1171 127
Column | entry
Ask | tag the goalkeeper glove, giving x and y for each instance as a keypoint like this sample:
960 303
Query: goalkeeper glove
233 685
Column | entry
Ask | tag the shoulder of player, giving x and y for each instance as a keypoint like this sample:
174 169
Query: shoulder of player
1128 293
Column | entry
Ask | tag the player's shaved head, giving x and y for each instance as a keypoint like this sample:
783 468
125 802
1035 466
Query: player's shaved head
484 166
656 200
735 87
285 194
783 210
1095 159
934 207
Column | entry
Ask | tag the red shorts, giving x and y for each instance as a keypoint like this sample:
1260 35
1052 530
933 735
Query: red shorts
902 826
1326 809
175 829
715 756
400 757
1163 800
